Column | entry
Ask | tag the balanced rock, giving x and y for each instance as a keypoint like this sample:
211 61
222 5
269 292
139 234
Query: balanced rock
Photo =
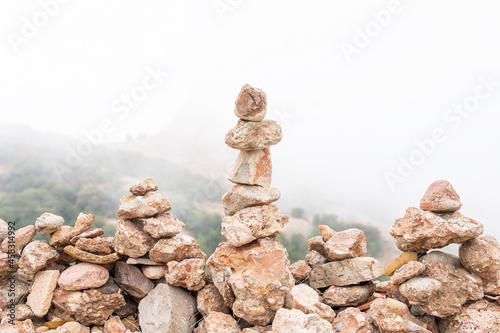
147 205
300 271
131 240
242 196
392 316
253 222
83 276
22 237
177 248
251 135
141 188
407 271
132 281
188 274
304 298
479 317
348 295
62 236
167 309
481 256
48 223
252 167
420 230
251 104
352 320
42 290
83 223
163 225
253 278
295 321
440 197
346 244
35 256
345 272
209 299
217 322
315 259
90 233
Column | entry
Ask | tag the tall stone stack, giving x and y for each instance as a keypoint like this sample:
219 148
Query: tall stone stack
250 269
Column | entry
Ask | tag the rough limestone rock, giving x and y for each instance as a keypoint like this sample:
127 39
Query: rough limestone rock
62 236
48 223
479 317
209 299
253 279
141 188
21 286
481 256
440 197
326 232
83 223
72 327
83 276
407 271
253 222
91 233
131 240
96 245
96 307
352 320
348 295
154 272
35 256
345 272
300 271
132 281
251 104
392 316
4 230
217 322
445 287
420 230
346 244
307 300
42 290
242 196
316 244
147 205
167 309
24 312
295 321
188 274
22 237
163 225
114 325
251 135
315 259
177 248
252 167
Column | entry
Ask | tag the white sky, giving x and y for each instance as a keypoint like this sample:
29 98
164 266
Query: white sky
349 121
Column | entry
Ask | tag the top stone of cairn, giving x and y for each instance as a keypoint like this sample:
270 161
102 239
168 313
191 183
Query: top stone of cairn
251 104
440 197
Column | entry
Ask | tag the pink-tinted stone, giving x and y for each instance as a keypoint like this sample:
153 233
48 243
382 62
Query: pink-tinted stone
252 167
141 188
251 135
346 244
407 271
48 223
242 196
304 298
217 322
251 104
22 237
352 320
147 205
300 271
94 245
83 276
62 236
131 240
42 290
83 223
131 279
440 197
35 256
479 317
177 248
392 316
163 225
188 274
154 272
348 295
209 299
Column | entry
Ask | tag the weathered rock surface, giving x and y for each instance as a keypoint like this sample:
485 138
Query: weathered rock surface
251 135
307 300
24 312
90 233
163 225
147 205
348 295
345 272
346 244
94 245
352 320
167 309
315 259
440 197
295 321
392 316
48 223
154 272
83 276
407 271
71 327
479 317
300 271
141 188
252 167
420 230
96 307
188 274
209 299
251 223
253 279
62 236
481 256
114 325
20 286
83 223
131 280
242 196
22 237
251 104
131 240
8 265
177 248
92 258
217 322
35 256
42 290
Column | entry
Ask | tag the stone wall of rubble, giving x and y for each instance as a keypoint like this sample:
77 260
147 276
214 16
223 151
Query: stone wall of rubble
150 277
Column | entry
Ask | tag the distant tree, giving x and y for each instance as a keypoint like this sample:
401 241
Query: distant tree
298 212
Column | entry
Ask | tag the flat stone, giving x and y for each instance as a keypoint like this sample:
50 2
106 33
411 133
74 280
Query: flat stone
251 135
217 322
163 225
258 329
243 196
251 104
131 280
72 327
141 188
392 316
147 205
62 236
481 256
131 240
407 271
22 237
253 278
42 290
209 299
300 271
315 259
91 257
94 245
35 256
307 300
345 272
83 276
420 230
440 197
295 321
91 233
167 309
346 244
479 317
252 167
251 223
348 295
83 223
48 223
177 248
188 274
144 261
114 325
154 272
352 320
